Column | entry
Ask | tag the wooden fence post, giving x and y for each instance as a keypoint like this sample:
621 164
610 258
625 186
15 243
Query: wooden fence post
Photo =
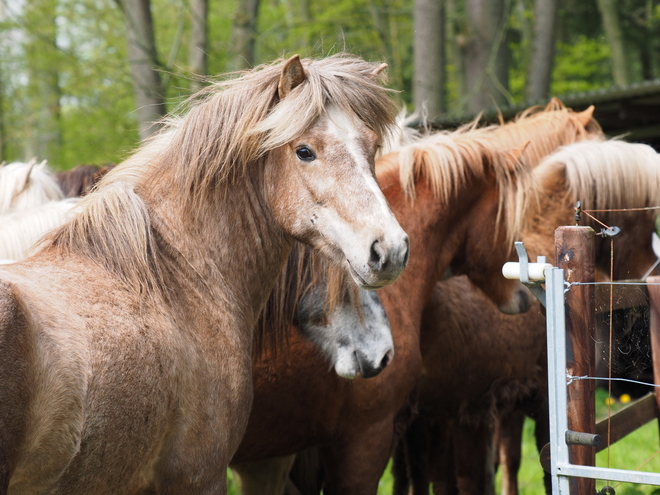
575 254
654 330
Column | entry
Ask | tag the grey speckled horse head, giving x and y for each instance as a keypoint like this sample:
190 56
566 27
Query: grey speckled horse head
356 339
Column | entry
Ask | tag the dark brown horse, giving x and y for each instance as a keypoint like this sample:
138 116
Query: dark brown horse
125 342
480 364
80 180
448 190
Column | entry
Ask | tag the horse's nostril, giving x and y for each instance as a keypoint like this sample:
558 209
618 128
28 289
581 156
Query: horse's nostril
406 255
376 258
386 360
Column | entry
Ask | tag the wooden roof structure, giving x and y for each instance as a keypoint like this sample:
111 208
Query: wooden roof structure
632 112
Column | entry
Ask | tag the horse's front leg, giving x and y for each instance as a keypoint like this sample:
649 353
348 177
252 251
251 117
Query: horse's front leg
264 477
473 447
508 442
355 465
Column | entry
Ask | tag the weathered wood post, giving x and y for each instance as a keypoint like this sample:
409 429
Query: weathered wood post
575 254
654 329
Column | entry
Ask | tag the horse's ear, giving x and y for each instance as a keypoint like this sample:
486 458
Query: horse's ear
24 180
518 151
292 75
377 73
585 116
554 104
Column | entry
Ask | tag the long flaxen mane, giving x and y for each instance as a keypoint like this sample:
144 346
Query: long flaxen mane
447 160
218 140
604 174
546 128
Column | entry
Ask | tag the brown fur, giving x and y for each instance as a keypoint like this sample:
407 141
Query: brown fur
480 365
298 406
81 180
132 327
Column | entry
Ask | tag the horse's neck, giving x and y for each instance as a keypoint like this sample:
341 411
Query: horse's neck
231 251
436 233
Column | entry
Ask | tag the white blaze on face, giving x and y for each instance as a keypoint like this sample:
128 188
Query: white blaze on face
344 129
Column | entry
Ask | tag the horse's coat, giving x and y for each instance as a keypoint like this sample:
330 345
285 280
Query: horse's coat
126 341
456 181
478 362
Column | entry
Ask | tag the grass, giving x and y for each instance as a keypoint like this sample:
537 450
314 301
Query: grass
631 453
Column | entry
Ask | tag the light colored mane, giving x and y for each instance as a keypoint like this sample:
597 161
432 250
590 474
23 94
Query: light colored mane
605 174
219 142
305 269
546 129
26 185
447 160
20 231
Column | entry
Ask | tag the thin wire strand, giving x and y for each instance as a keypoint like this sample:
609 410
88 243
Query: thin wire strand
640 467
609 371
572 378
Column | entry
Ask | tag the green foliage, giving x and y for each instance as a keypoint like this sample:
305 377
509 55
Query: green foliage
582 66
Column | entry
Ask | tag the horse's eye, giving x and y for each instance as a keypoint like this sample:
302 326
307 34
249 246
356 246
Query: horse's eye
305 154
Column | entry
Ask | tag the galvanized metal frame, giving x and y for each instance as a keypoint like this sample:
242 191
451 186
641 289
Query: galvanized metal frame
558 381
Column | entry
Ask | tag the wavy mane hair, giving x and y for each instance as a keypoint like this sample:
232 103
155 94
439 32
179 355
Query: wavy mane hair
218 140
26 185
546 128
447 160
605 174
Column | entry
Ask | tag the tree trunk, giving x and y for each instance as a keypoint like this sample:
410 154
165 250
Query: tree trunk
429 57
486 55
143 59
244 34
198 56
539 76
42 56
614 35
455 41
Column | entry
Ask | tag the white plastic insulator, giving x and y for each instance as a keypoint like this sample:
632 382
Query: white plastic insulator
511 270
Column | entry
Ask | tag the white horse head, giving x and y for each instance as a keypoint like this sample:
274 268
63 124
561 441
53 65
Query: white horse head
356 340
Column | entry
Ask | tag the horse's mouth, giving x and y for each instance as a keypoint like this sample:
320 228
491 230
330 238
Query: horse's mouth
358 278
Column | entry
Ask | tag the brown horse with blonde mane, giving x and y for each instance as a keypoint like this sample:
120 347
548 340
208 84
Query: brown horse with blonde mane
545 129
126 341
461 202
480 364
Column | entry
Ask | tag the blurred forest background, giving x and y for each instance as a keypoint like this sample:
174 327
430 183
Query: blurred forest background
80 80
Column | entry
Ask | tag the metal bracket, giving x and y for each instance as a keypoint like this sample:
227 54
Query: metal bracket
530 274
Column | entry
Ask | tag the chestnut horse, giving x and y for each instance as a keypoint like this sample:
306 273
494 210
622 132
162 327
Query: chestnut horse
126 341
448 191
478 362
